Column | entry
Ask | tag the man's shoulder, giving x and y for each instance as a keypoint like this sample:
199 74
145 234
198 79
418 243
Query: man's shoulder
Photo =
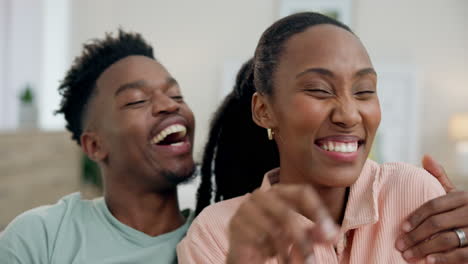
47 214
31 234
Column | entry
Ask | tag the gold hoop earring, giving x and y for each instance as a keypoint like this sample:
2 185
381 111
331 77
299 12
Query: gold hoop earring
271 133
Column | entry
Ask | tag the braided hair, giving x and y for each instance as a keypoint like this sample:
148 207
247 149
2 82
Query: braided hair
238 152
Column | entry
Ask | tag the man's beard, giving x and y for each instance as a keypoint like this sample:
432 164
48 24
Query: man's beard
176 178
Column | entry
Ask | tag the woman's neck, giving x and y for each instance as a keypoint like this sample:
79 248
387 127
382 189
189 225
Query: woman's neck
334 198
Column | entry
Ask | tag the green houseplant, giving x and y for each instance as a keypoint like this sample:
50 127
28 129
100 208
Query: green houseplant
28 109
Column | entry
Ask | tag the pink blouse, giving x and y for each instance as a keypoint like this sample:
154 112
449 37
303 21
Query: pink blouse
379 201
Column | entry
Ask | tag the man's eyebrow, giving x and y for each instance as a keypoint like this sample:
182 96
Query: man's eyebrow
170 81
130 85
320 71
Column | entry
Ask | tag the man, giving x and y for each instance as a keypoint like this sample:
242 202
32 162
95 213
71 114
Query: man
127 113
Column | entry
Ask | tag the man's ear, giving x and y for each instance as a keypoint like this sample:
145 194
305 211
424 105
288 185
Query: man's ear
262 113
93 147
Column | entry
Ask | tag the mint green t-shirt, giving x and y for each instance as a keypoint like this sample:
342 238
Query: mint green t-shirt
76 231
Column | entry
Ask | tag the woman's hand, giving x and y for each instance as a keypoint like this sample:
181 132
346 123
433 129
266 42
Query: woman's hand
266 225
429 231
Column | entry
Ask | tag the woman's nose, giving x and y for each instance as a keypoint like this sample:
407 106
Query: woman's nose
346 113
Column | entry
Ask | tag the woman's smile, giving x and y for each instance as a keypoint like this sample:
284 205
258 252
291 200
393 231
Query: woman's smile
340 148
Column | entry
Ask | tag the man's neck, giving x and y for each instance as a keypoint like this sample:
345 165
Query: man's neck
152 213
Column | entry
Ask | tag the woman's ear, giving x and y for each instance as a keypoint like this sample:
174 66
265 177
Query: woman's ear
262 113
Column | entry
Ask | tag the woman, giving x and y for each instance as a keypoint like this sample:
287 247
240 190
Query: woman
316 96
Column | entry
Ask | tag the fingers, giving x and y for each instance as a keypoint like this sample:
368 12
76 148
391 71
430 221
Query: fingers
441 242
431 226
308 203
296 257
457 256
282 229
267 223
434 207
438 171
254 227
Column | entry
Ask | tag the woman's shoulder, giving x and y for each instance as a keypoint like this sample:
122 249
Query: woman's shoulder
220 213
403 178
404 173
207 238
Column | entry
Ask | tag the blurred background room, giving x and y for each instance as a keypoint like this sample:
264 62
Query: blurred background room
419 49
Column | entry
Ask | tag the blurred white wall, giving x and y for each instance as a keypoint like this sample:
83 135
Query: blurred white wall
21 45
3 36
431 35
35 51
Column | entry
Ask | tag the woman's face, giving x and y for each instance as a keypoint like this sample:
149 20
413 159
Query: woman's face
324 108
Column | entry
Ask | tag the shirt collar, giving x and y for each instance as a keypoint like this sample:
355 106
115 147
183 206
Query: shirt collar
362 207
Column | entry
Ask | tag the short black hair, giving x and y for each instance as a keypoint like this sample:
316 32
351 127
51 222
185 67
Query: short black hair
79 83
238 152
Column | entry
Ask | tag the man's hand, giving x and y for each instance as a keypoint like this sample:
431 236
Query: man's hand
429 230
266 226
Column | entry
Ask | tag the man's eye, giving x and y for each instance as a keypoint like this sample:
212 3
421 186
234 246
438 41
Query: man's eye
135 103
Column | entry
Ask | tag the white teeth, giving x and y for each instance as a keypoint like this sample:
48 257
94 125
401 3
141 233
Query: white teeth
339 146
331 147
177 144
177 128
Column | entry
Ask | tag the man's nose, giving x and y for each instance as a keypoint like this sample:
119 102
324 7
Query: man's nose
164 104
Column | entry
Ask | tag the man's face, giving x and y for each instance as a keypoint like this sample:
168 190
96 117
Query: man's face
143 124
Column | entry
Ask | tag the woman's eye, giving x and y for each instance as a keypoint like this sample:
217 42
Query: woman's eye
135 103
365 94
320 93
178 98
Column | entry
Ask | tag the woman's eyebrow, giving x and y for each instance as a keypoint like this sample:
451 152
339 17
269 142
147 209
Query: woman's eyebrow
170 81
326 72
366 71
321 71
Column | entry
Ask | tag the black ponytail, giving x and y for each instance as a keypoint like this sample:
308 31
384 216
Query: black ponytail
238 152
